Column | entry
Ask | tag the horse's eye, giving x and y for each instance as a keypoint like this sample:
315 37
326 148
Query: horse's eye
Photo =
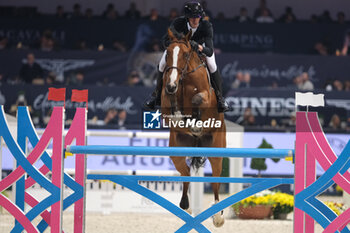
185 55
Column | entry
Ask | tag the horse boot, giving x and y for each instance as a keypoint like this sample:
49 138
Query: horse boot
154 99
217 84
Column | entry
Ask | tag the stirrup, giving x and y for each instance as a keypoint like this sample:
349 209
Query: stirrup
223 106
152 102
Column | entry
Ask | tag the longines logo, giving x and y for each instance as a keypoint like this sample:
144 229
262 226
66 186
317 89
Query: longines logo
261 106
59 66
272 106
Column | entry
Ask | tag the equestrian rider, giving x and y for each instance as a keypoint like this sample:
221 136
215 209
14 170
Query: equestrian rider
201 41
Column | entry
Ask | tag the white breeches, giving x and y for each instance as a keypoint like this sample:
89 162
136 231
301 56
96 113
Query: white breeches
210 62
162 62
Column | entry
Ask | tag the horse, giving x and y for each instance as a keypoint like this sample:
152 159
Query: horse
187 96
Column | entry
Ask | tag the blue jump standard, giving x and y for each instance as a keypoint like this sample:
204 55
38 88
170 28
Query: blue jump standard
182 151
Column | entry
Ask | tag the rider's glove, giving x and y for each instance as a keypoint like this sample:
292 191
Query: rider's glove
194 45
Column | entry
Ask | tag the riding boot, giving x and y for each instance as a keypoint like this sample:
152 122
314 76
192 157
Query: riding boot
216 82
154 99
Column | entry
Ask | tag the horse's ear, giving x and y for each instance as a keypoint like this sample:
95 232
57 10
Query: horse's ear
188 35
171 34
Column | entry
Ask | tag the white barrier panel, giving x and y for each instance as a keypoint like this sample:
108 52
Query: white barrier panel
111 198
106 197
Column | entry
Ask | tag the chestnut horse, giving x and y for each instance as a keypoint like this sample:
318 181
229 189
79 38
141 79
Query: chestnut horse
187 96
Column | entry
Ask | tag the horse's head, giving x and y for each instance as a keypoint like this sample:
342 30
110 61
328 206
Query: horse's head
178 54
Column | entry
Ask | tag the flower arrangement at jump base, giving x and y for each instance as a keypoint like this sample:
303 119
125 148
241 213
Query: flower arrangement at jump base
337 208
258 206
283 204
264 205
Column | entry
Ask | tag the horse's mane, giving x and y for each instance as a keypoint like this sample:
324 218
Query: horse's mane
178 35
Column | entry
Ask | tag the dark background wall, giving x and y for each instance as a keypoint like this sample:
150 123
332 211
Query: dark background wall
302 8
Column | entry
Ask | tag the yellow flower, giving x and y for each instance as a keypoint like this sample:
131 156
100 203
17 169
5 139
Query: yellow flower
338 208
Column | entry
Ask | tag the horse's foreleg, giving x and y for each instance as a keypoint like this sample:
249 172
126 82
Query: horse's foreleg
181 166
216 165
198 100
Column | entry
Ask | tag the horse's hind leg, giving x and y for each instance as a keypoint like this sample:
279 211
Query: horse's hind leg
216 165
181 166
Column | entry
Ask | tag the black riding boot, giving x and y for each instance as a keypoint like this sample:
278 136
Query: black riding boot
154 99
216 82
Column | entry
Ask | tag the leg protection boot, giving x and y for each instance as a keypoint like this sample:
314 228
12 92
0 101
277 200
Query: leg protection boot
154 99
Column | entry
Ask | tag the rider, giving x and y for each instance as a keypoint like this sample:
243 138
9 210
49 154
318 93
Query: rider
201 41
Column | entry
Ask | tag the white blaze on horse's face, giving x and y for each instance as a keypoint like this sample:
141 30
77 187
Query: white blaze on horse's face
174 73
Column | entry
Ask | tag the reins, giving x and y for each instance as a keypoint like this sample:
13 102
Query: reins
183 71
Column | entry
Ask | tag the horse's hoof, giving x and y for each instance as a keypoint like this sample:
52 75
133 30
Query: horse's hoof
189 210
218 220
196 131
177 116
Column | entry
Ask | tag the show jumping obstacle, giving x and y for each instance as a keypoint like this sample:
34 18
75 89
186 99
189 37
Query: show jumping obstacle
311 146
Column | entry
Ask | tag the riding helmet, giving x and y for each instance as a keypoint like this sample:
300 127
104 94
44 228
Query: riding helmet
193 9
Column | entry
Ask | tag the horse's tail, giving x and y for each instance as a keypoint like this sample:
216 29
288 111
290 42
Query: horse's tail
197 162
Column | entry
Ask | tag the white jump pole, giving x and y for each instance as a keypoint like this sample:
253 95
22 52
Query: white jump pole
234 139
196 192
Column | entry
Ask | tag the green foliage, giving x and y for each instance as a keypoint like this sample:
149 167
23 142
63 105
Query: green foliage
259 163
283 203
4 193
225 167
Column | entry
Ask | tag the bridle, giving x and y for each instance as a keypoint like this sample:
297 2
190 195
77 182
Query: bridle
184 69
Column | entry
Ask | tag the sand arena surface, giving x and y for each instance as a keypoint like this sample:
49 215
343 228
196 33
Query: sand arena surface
163 223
